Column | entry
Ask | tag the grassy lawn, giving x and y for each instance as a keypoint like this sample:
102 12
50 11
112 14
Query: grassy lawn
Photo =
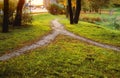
93 32
105 19
64 58
19 37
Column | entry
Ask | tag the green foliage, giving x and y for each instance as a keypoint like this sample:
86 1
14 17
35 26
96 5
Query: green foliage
116 3
13 3
97 5
117 23
26 34
107 18
111 22
12 7
85 5
94 32
26 18
64 58
56 9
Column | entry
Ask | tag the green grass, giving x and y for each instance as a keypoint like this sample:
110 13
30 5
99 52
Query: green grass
64 58
93 32
104 19
116 9
19 37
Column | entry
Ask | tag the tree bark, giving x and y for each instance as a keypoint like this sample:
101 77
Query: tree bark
77 12
18 17
5 16
67 12
70 11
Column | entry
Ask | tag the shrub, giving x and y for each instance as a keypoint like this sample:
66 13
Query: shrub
117 23
85 19
26 18
114 22
92 19
97 19
56 9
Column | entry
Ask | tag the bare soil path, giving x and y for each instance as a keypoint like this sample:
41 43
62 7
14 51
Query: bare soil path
57 29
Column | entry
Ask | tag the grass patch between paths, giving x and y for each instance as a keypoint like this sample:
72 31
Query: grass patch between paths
64 58
26 34
93 32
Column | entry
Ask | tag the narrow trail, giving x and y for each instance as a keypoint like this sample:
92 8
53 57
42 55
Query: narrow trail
57 29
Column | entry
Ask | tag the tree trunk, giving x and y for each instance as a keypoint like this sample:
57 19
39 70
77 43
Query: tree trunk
18 17
77 13
70 11
67 12
5 16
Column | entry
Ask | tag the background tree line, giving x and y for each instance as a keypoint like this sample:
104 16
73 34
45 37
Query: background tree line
72 9
92 5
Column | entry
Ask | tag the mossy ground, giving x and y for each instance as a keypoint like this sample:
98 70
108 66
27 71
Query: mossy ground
64 58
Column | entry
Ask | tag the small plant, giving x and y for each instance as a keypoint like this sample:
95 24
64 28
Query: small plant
56 9
26 18
114 22
85 18
117 23
97 19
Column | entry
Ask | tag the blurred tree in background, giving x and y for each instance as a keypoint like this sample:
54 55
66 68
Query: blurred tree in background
5 16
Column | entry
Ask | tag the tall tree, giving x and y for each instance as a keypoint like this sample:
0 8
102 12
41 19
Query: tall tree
74 18
18 17
5 16
70 11
77 13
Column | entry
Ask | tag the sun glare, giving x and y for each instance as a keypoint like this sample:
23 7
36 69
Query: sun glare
36 2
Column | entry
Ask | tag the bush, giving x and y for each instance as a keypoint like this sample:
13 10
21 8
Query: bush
56 9
113 22
91 19
85 19
117 23
26 18
97 19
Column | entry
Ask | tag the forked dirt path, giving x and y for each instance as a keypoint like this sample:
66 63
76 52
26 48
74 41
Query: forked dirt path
57 29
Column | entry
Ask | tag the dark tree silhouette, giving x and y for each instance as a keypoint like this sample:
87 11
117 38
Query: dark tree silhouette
74 18
5 16
67 11
18 17
70 11
77 12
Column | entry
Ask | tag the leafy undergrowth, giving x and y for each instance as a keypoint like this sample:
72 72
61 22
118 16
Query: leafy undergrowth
93 32
64 58
26 34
